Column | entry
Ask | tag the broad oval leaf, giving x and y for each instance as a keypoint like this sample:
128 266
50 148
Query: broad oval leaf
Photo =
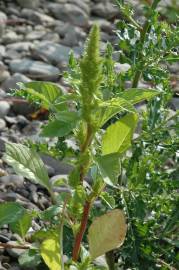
117 138
106 233
10 212
50 252
64 123
47 92
27 163
107 109
110 168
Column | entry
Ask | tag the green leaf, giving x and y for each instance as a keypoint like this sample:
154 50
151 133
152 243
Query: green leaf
47 92
22 225
50 212
27 163
136 95
10 212
106 233
110 168
108 109
117 138
64 123
50 252
108 199
171 58
30 258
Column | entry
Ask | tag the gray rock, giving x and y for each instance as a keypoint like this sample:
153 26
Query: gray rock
73 35
119 68
19 46
51 36
175 102
35 35
105 10
4 75
36 16
15 180
52 52
28 3
69 13
14 252
2 51
61 168
2 124
3 19
11 37
4 108
34 69
11 82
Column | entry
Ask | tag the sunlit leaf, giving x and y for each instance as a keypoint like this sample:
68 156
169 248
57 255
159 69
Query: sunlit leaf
110 168
106 233
50 252
27 163
117 138
10 212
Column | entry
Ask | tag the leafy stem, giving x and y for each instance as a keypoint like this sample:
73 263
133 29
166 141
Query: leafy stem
144 31
82 230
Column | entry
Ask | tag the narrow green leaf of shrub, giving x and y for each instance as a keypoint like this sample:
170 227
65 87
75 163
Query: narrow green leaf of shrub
27 163
106 233
30 258
117 138
10 212
22 225
50 252
47 92
108 109
109 168
136 95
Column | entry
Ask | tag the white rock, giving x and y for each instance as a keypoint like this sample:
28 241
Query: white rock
4 108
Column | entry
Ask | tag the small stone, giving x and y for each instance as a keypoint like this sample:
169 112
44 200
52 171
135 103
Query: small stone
14 252
11 37
4 108
3 19
35 35
34 69
2 51
53 52
28 3
19 46
69 13
105 10
16 180
175 102
36 16
2 124
11 82
4 238
4 75
119 68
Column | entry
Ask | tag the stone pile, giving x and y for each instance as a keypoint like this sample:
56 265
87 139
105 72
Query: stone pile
36 37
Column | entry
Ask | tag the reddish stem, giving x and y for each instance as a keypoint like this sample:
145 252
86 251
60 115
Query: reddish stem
79 236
